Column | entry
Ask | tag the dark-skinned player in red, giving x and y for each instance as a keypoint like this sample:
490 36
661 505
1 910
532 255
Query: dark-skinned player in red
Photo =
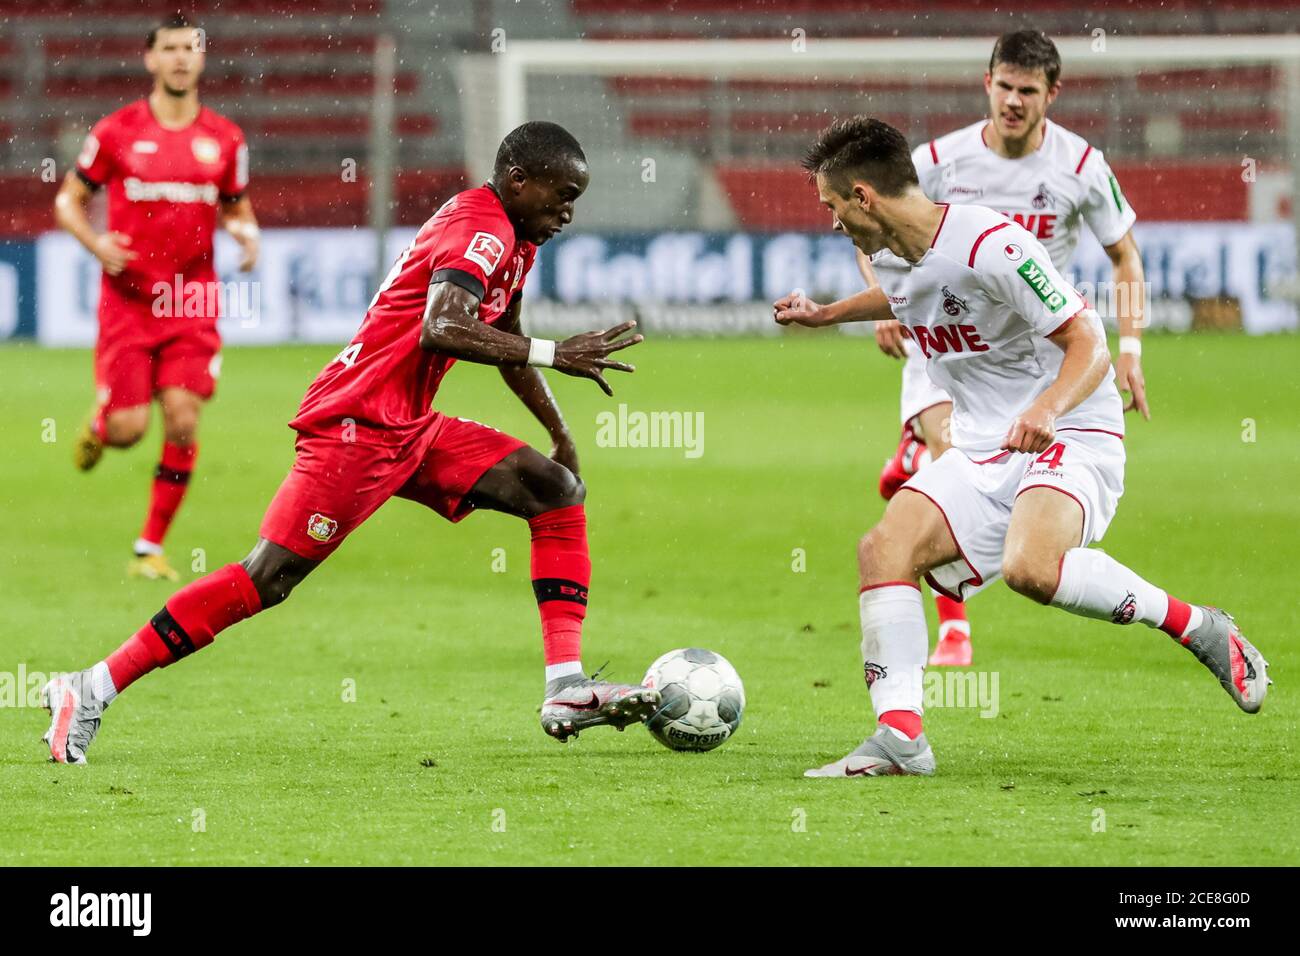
367 432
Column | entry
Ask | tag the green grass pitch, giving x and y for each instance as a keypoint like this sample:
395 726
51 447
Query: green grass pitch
250 753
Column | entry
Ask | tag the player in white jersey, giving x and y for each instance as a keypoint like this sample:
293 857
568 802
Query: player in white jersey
1048 180
1036 466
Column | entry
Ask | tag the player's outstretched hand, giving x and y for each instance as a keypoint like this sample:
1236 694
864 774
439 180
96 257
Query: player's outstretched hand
1128 378
586 355
112 252
798 309
889 336
1032 431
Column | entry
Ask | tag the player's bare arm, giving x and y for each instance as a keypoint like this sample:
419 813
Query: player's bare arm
1130 281
889 333
530 386
796 308
237 218
451 326
110 248
1084 367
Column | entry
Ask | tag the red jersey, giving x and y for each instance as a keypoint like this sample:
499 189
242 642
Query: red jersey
380 389
164 186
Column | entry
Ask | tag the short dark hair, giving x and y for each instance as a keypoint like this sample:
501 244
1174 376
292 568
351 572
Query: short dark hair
177 21
867 146
537 146
1029 50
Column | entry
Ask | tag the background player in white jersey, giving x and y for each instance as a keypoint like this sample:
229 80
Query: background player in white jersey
1036 466
1048 180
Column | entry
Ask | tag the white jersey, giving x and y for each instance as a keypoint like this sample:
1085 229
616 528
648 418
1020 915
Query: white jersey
979 306
1051 191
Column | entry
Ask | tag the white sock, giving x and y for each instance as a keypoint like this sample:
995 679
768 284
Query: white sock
102 682
143 547
1093 584
562 670
894 644
962 627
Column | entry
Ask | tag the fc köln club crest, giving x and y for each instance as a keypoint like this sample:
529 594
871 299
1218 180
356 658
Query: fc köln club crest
321 528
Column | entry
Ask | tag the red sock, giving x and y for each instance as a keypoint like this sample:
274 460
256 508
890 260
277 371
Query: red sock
169 484
193 616
950 611
561 573
904 721
1176 618
100 424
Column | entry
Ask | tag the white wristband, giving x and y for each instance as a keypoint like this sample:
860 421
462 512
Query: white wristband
239 227
541 352
1130 345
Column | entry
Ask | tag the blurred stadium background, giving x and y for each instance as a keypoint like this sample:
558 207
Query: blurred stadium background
697 214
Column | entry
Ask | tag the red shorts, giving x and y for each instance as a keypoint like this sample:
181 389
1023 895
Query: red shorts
137 355
335 485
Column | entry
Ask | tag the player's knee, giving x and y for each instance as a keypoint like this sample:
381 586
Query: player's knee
125 428
275 573
272 586
1032 578
557 487
180 422
181 429
873 558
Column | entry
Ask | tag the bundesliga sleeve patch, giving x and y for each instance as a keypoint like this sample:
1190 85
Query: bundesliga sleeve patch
1042 286
485 250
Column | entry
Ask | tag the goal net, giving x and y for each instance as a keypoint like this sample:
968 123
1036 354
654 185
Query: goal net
698 215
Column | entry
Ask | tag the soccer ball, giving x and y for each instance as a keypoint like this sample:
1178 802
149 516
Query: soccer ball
702 699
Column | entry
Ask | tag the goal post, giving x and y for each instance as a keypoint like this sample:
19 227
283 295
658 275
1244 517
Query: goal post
700 138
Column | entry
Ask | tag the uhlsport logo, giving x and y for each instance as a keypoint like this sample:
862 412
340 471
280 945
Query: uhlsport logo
1037 280
320 527
75 908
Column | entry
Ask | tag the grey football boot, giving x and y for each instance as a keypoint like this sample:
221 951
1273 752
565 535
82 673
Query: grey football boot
882 754
574 703
1233 660
74 715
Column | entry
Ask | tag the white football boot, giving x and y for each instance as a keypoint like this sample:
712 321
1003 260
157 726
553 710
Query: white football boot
74 715
882 754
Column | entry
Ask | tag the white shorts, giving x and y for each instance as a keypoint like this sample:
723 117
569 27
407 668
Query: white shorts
976 498
919 391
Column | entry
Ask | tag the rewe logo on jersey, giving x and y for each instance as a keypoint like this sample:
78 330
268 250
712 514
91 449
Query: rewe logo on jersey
946 338
486 250
1037 280
1042 225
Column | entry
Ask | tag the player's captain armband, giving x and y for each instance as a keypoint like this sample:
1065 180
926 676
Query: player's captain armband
541 353
485 251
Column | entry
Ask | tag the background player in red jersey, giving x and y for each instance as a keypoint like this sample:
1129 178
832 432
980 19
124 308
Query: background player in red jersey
367 431
171 167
